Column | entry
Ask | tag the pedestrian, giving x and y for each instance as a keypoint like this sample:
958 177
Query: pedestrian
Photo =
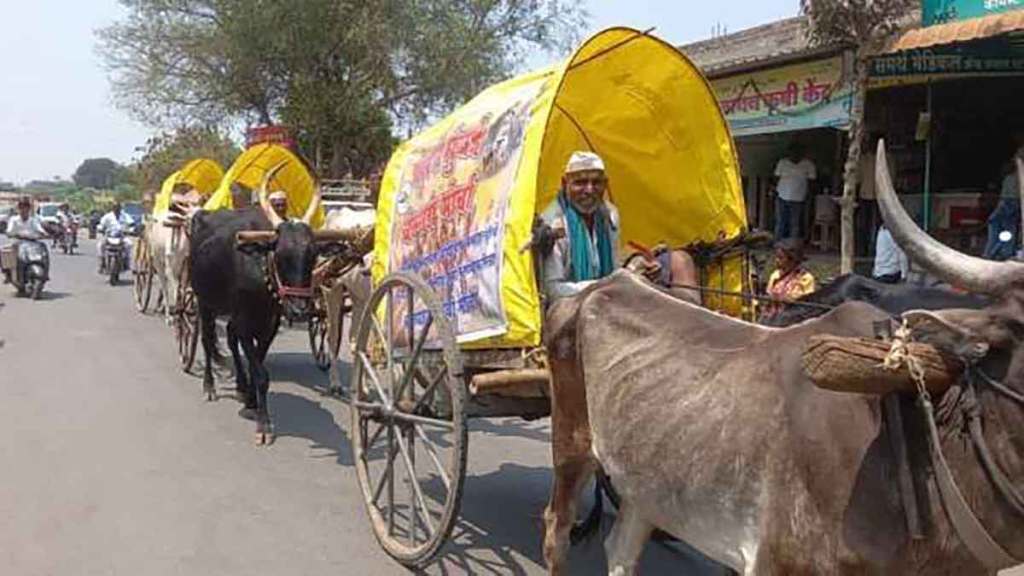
790 280
793 174
891 264
1004 222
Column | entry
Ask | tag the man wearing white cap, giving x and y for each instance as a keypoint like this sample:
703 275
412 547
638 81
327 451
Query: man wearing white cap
279 202
588 249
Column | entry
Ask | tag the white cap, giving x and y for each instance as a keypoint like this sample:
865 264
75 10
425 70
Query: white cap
583 161
277 195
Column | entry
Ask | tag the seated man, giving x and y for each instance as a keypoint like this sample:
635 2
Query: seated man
22 226
113 221
790 280
586 248
279 202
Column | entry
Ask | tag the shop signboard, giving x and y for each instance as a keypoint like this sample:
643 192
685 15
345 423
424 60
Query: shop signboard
942 11
801 96
993 57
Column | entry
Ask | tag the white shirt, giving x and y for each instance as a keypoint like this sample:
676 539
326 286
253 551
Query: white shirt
793 178
889 258
109 222
31 228
557 267
1010 187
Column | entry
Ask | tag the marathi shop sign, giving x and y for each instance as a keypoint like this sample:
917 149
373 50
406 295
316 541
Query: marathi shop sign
993 57
797 97
943 11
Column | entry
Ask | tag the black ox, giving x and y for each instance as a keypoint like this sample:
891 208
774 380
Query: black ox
251 266
892 298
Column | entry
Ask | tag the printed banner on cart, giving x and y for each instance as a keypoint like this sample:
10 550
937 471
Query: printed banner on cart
449 210
810 95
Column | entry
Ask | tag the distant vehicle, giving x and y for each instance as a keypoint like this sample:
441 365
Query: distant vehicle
47 212
136 212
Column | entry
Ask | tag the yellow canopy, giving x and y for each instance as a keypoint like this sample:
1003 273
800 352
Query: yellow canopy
636 101
250 167
202 174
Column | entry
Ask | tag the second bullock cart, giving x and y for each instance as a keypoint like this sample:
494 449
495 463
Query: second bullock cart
453 327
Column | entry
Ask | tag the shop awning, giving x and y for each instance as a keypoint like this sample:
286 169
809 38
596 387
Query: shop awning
964 31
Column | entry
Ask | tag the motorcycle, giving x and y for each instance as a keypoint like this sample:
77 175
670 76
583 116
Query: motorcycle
115 255
32 270
68 237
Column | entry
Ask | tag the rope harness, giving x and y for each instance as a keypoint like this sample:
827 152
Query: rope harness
966 524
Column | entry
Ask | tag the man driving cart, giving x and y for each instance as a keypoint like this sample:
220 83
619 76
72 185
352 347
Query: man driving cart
582 230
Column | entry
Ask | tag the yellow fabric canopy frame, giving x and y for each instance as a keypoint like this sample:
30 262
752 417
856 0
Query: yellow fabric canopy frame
202 174
294 179
645 109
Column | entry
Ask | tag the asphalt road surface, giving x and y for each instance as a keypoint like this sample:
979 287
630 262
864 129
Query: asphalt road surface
113 463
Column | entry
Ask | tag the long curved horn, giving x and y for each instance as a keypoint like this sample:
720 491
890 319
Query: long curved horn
974 274
314 204
275 220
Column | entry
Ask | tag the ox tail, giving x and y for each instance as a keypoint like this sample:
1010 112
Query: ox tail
585 529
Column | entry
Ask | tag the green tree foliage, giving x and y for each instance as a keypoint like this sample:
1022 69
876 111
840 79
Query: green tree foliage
167 152
864 25
340 73
100 173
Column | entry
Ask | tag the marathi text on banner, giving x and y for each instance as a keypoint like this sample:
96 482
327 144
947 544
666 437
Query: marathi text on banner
450 210
797 97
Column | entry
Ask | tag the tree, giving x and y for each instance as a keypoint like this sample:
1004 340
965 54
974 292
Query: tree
340 73
100 173
865 25
167 152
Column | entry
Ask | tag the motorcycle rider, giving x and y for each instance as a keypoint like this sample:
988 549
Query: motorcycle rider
111 221
23 226
67 223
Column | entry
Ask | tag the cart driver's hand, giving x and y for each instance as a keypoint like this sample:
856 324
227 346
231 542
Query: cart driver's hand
651 269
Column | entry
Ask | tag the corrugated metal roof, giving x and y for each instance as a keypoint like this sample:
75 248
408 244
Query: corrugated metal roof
973 29
768 44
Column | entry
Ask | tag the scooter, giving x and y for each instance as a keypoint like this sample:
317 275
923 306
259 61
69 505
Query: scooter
115 255
32 270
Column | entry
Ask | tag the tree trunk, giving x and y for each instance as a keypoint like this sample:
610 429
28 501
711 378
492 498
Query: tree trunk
852 170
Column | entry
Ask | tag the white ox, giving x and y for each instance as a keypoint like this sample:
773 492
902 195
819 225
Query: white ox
169 246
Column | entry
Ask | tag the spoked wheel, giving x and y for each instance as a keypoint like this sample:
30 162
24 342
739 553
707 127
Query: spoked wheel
186 324
143 288
408 419
317 326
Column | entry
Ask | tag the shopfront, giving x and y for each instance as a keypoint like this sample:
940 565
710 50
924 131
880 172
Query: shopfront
769 109
952 114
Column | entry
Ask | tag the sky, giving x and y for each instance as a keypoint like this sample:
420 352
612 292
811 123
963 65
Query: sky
55 103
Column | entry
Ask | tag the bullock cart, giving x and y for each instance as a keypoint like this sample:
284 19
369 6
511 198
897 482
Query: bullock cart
144 270
452 329
349 210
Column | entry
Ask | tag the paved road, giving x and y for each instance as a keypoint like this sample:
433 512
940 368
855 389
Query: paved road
113 464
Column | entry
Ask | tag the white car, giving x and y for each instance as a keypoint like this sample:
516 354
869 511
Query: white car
47 212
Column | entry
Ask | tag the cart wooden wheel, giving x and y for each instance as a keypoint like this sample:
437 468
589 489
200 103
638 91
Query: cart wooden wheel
186 323
408 419
317 327
143 288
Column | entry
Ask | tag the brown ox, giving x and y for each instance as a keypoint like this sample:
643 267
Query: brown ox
710 431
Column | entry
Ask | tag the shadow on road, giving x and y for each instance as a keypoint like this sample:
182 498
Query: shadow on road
298 417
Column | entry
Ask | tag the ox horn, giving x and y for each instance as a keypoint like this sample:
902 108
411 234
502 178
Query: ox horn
275 220
974 274
255 236
314 204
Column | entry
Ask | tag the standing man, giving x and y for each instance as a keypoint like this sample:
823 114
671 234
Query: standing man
891 264
1004 221
792 177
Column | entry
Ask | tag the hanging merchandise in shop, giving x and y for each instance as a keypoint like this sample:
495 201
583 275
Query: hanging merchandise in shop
798 97
944 11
